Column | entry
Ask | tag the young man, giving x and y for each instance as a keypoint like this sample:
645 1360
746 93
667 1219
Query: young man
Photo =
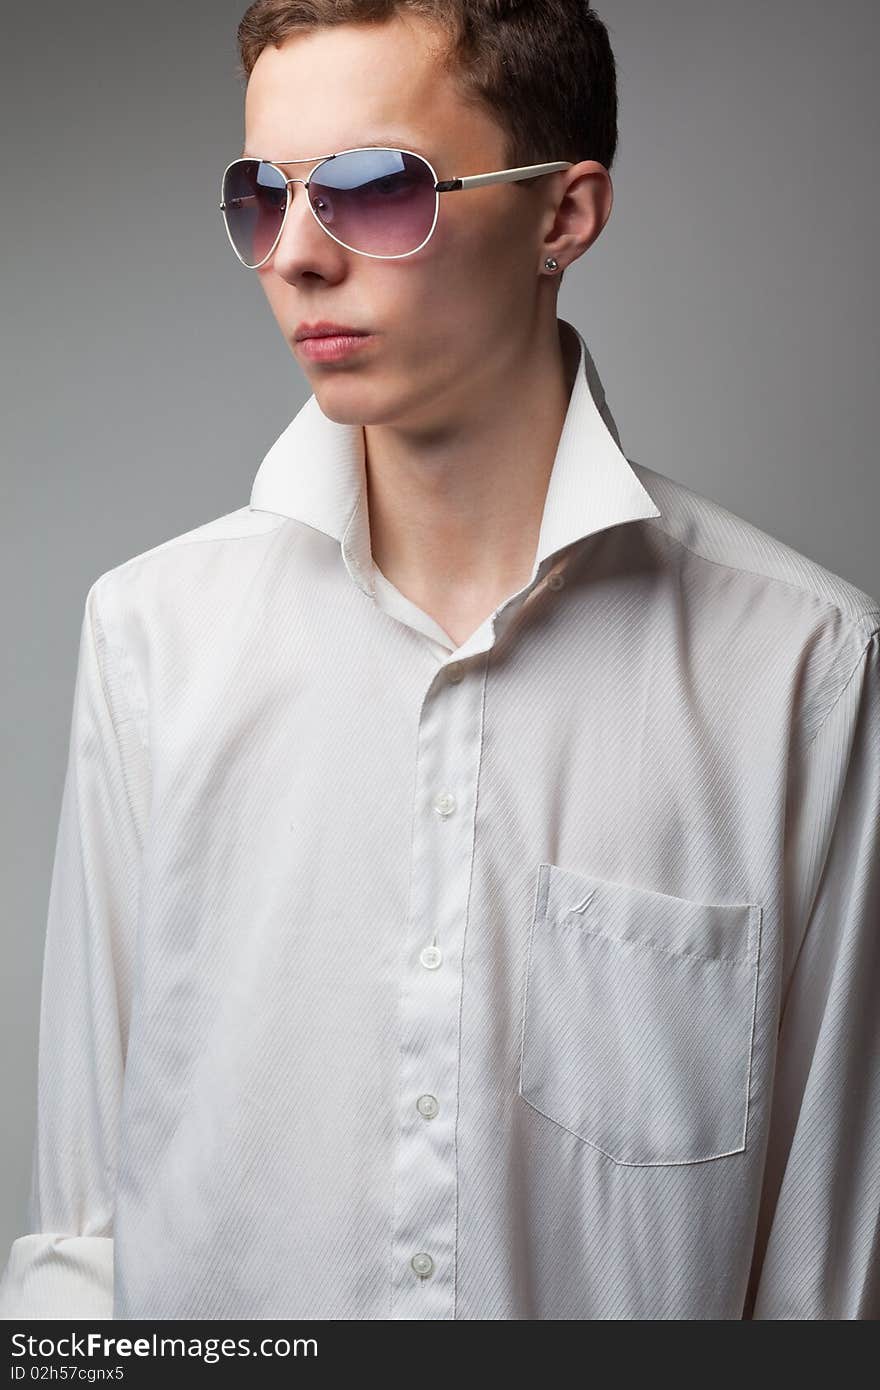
467 890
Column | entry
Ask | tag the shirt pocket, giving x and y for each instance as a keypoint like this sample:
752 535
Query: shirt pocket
639 1018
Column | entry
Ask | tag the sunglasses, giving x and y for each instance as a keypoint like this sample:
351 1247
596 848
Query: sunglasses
373 200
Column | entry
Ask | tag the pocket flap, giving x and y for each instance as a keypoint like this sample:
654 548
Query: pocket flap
628 913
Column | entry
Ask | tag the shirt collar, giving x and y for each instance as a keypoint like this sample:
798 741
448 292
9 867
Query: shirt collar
315 473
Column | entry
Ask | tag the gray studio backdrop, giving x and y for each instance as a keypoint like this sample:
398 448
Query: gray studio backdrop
730 304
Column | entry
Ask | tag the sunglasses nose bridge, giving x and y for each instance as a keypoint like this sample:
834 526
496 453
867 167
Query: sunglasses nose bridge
289 192
305 183
289 196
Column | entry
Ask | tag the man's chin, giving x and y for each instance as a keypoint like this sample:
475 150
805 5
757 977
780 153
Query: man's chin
349 401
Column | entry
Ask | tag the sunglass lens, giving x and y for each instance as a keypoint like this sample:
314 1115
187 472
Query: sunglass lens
254 197
379 201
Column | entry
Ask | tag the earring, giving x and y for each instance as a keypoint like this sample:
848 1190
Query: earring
551 263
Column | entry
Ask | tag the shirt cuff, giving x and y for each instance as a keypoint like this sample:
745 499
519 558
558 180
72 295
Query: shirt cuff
49 1275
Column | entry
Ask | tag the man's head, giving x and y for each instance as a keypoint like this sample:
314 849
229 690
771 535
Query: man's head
477 86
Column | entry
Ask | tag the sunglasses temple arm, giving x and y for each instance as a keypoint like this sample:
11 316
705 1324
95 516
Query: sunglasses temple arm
526 171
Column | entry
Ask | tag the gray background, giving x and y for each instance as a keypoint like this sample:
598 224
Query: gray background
730 305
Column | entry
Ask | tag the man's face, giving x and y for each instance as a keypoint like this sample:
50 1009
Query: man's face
443 316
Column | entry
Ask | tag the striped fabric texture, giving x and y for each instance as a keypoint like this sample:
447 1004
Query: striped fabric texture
533 977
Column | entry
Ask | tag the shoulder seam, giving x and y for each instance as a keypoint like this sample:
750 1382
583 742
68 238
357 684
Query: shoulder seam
105 651
856 621
194 540
859 661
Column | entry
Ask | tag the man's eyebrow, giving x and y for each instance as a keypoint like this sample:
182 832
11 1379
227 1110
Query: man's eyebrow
394 142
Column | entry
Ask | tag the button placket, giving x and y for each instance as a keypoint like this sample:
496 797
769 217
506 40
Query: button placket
423 1239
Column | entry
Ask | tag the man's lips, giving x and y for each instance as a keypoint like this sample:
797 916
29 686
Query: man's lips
325 329
331 347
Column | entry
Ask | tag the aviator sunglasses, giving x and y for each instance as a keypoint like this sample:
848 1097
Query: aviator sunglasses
374 200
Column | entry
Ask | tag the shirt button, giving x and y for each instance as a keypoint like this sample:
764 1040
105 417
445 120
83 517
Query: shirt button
444 804
454 671
422 1264
430 956
427 1106
556 581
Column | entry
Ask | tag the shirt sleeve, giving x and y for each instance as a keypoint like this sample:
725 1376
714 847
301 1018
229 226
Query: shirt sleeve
817 1254
63 1266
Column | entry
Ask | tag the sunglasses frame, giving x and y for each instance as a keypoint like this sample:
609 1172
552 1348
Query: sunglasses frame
525 172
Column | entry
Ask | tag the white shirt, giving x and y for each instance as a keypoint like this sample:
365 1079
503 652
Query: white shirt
535 977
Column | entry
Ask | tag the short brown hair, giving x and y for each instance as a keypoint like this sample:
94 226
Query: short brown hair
543 69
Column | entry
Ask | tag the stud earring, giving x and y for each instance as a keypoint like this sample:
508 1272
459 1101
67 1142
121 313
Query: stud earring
551 263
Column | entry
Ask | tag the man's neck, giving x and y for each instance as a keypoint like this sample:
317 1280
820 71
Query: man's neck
455 518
